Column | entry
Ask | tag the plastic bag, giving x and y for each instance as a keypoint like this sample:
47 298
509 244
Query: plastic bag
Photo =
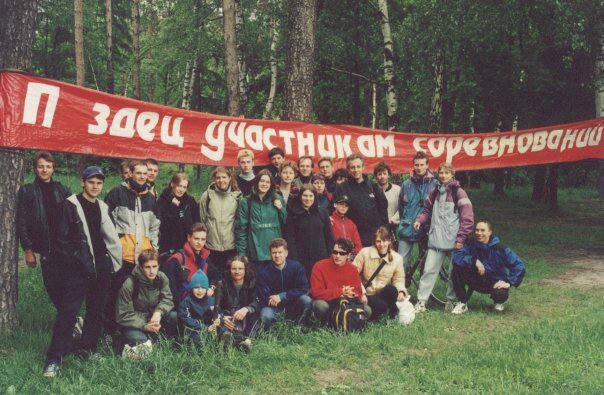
406 312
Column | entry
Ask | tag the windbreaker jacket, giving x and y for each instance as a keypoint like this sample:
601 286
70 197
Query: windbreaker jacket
218 211
227 301
175 221
289 283
414 191
368 260
193 311
344 227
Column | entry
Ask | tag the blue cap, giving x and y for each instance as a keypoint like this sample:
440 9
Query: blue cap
200 280
92 171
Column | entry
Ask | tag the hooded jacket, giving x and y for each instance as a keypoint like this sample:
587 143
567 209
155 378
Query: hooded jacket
342 226
152 296
500 262
218 211
175 221
413 192
289 283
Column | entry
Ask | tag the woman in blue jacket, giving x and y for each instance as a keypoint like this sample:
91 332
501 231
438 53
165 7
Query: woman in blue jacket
486 266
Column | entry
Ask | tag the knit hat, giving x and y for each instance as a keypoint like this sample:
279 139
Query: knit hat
200 280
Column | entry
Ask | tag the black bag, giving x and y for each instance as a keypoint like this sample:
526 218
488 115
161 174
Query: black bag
182 271
348 315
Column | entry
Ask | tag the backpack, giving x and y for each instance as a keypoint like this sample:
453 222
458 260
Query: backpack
348 315
183 272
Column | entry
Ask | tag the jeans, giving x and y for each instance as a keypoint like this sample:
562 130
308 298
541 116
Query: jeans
117 279
434 261
249 330
52 277
384 300
462 276
291 309
135 336
322 307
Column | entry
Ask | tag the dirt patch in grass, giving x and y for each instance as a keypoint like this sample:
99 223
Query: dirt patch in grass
332 377
586 269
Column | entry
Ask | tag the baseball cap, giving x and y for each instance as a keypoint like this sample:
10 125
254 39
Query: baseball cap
342 199
92 171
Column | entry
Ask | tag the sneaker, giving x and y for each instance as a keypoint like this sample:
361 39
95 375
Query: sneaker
144 349
246 345
459 308
498 307
420 306
77 328
107 341
51 369
449 306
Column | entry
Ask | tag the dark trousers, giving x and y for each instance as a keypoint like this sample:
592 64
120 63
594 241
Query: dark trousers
219 258
117 279
462 277
135 336
52 279
78 287
384 300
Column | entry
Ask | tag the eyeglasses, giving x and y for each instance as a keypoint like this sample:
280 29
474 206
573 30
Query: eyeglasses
342 253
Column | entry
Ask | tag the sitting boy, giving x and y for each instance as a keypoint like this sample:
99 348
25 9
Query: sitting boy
195 310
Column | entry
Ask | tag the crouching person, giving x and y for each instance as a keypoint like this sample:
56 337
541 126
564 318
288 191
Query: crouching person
282 287
334 278
144 306
195 310
486 266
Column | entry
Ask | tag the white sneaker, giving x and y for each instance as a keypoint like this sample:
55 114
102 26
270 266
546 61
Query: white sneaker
498 307
459 308
420 306
140 351
449 306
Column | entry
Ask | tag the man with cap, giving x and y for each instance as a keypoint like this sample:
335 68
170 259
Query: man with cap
89 250
342 226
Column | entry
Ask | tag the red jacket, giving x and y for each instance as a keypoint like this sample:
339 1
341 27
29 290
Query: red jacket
344 227
327 279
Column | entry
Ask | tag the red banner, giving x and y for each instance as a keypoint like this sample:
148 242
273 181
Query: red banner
39 113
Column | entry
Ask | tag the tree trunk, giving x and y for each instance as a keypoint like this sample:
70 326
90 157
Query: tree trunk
552 187
230 58
136 46
78 8
109 40
300 59
273 64
391 102
17 32
600 102
241 66
436 110
539 184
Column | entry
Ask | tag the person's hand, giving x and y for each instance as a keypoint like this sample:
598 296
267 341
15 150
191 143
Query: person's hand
156 317
416 225
175 202
274 300
228 323
458 245
348 291
278 204
30 258
480 267
364 299
152 327
210 291
501 285
402 295
240 314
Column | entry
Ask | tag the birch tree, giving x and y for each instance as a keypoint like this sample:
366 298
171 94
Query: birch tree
78 12
136 46
274 32
231 58
109 46
391 102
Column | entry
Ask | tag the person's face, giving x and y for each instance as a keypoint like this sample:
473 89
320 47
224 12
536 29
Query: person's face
199 292
276 160
444 175
92 187
305 167
237 271
287 175
319 186
246 164
264 184
222 180
307 198
150 269
483 233
179 189
338 255
278 255
140 174
125 173
420 166
44 169
382 177
382 245
326 168
340 180
197 240
341 208
355 168
152 172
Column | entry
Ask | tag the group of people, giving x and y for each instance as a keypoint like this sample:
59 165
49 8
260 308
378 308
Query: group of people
279 240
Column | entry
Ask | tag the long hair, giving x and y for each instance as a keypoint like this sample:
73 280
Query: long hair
224 170
383 233
249 275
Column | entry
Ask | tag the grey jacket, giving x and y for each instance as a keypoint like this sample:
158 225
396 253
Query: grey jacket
218 210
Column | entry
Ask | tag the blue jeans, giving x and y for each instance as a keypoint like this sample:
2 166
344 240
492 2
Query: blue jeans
136 336
293 310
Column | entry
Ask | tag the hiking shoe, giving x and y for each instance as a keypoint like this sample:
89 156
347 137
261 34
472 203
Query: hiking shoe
107 341
449 306
420 306
51 369
245 345
459 308
498 307
77 328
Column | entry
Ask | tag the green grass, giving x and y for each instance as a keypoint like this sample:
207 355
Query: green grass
549 339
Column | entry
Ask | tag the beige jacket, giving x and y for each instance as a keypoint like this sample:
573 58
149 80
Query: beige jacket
368 260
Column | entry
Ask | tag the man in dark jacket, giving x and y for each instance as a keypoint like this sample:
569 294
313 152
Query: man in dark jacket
38 211
88 251
368 204
282 286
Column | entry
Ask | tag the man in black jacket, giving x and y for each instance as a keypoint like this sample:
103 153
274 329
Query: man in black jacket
38 211
368 204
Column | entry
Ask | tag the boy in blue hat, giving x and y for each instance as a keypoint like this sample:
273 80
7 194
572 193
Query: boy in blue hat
195 310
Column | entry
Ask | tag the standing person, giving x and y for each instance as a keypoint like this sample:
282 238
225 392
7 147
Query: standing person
342 226
382 274
246 176
38 212
282 287
152 173
276 157
260 218
414 191
177 211
218 211
449 212
324 197
308 230
305 167
486 266
88 251
382 174
336 277
326 169
124 169
286 187
368 204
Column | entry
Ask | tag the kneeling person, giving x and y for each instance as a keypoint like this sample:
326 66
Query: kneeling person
485 266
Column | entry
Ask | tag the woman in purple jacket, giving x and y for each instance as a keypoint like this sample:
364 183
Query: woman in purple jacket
449 213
